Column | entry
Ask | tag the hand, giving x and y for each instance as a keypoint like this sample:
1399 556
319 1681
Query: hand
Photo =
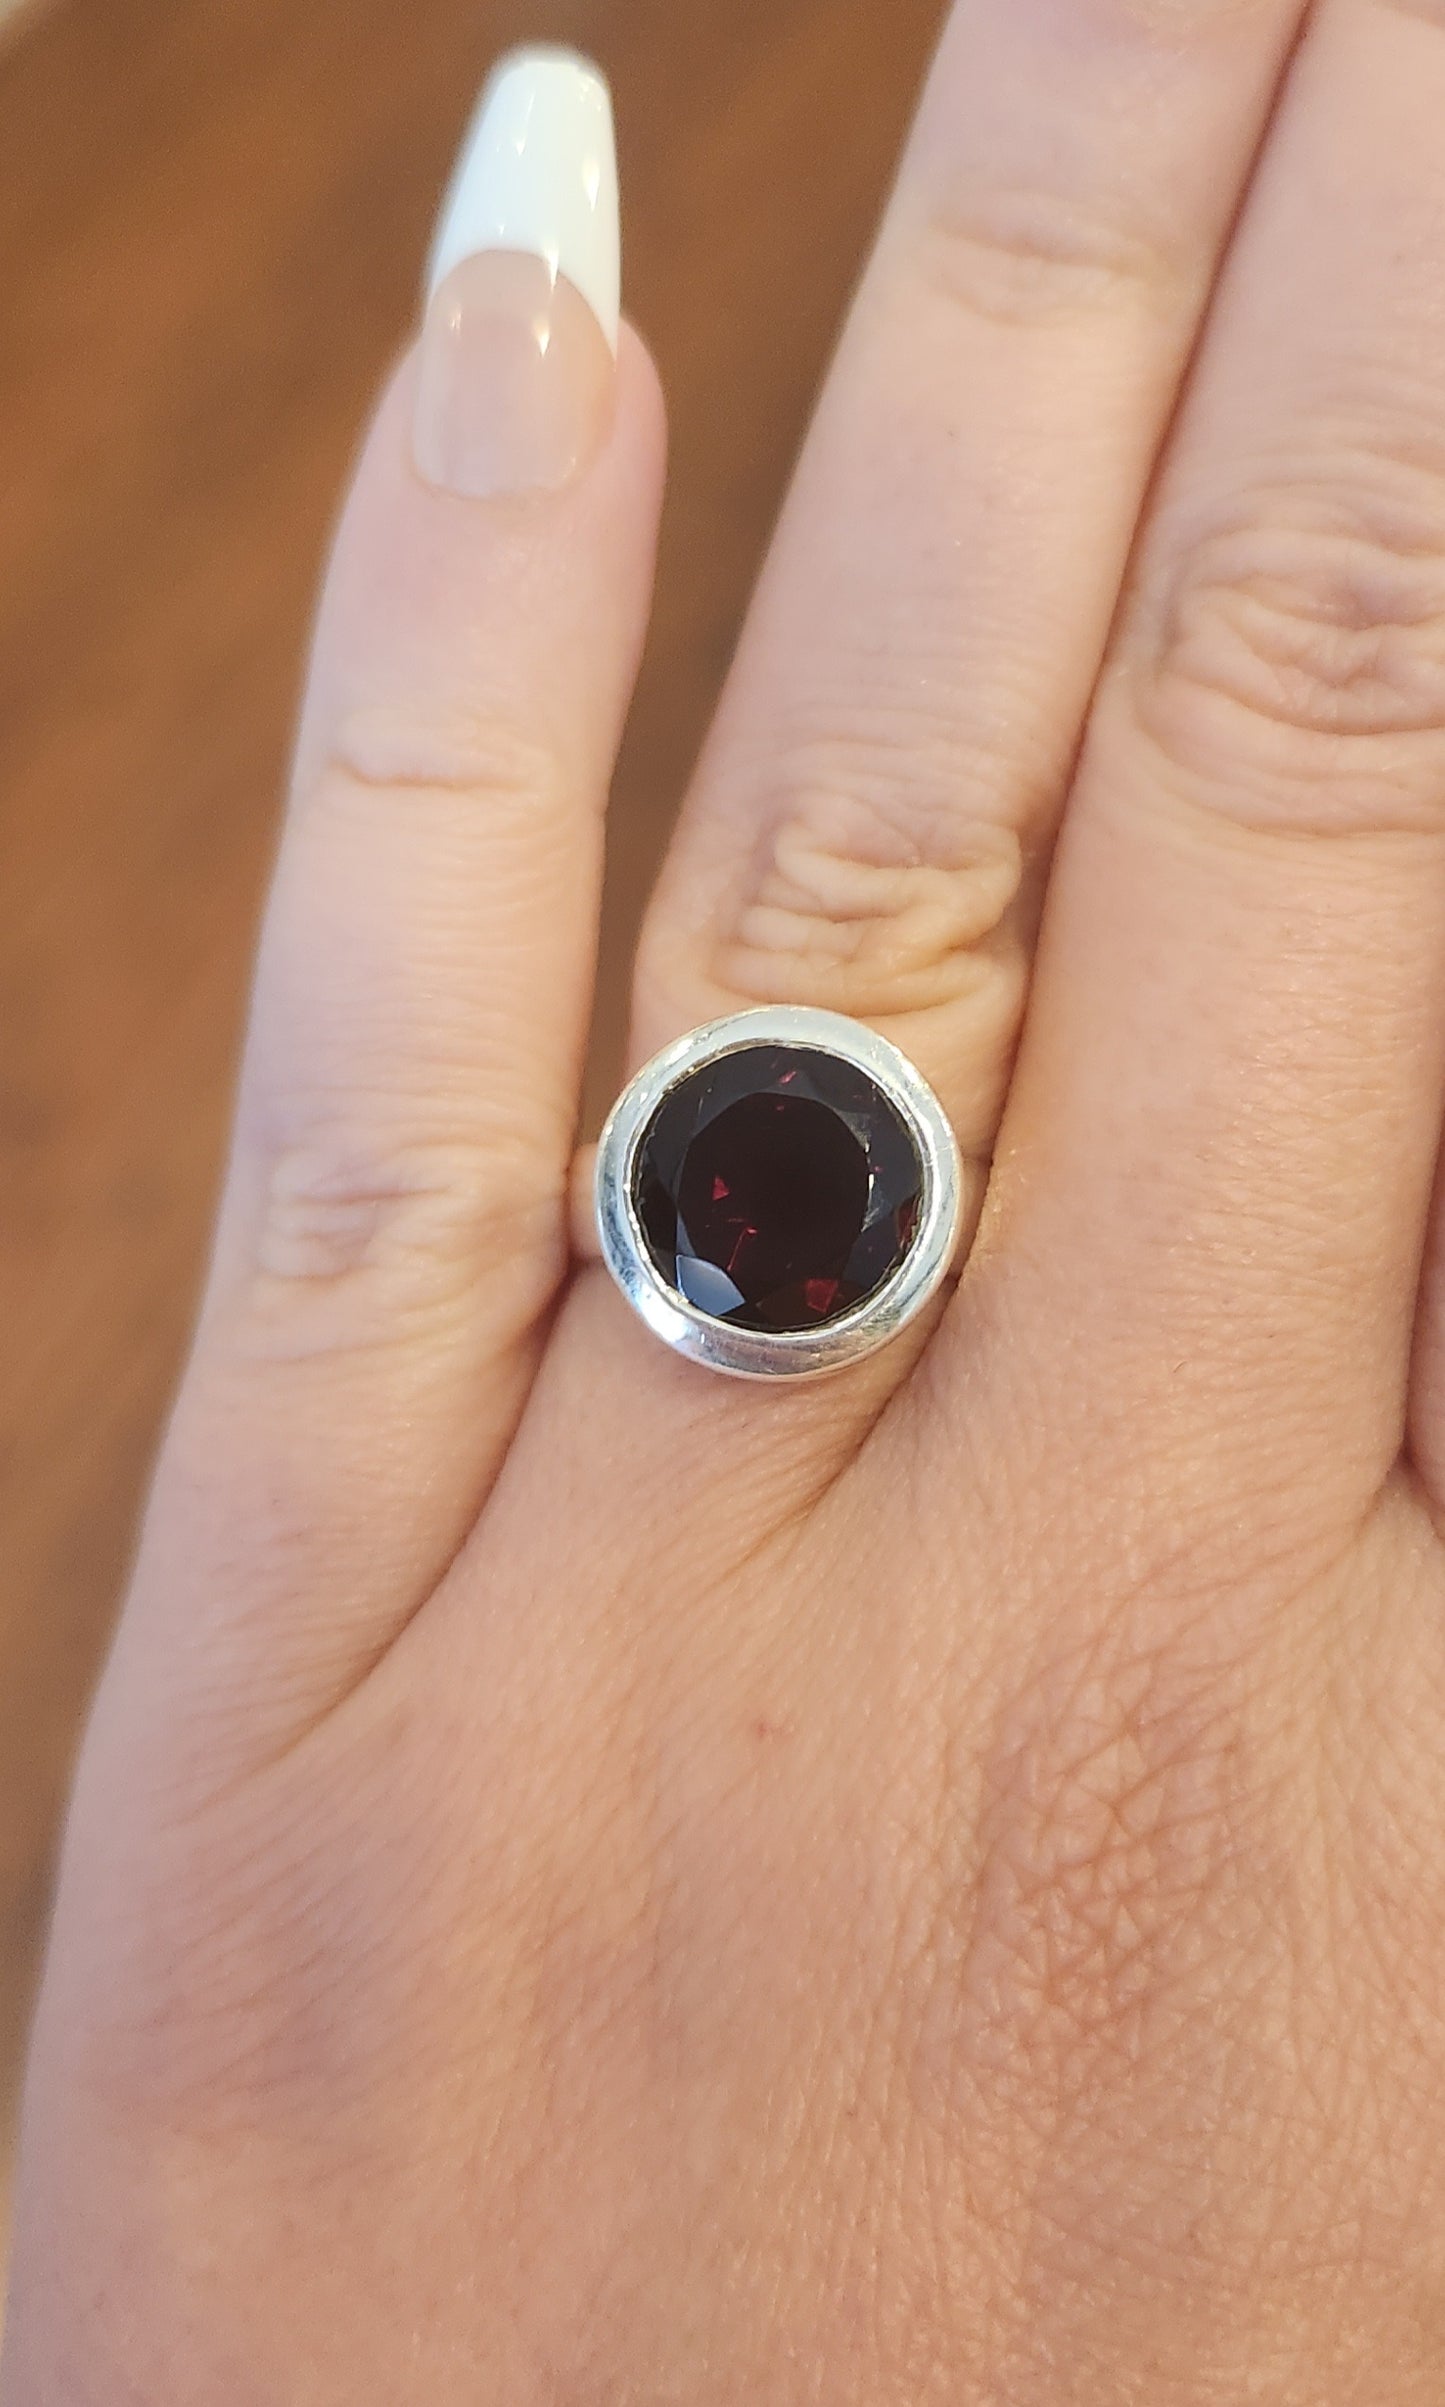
589 1881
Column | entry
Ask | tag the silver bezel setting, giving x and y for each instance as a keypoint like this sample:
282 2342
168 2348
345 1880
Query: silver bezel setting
781 1354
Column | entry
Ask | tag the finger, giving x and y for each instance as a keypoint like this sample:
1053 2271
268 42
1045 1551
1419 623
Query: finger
395 1226
1228 1103
870 821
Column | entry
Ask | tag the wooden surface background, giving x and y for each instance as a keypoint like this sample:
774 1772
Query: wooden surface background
211 224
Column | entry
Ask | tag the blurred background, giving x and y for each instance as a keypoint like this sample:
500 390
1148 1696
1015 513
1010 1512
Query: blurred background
212 218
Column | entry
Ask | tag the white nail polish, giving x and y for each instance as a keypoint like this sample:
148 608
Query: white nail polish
538 174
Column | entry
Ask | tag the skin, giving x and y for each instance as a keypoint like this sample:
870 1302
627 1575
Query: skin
588 1883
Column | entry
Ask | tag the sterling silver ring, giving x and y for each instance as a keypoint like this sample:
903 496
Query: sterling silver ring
779 1194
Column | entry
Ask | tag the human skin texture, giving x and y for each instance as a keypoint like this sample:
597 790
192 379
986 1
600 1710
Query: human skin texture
590 1882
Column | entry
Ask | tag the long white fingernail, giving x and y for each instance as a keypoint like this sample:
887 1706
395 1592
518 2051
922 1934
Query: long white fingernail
538 173
517 375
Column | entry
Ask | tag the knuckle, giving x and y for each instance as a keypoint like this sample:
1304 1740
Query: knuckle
1025 254
1311 626
886 904
426 1217
868 898
472 751
846 908
334 1206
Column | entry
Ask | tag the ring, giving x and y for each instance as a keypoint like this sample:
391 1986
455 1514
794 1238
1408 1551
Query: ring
779 1194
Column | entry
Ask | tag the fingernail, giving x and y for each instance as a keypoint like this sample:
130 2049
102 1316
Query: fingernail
518 354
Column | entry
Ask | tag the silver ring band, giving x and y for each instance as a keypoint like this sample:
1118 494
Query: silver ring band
841 1146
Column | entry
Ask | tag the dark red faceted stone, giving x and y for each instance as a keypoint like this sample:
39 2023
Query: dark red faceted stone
777 1188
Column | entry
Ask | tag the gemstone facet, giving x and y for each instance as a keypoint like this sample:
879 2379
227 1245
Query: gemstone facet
777 1187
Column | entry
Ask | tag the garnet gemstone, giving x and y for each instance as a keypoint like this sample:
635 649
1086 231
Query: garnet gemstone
777 1188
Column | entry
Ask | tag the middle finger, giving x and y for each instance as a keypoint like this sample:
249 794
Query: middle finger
869 825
